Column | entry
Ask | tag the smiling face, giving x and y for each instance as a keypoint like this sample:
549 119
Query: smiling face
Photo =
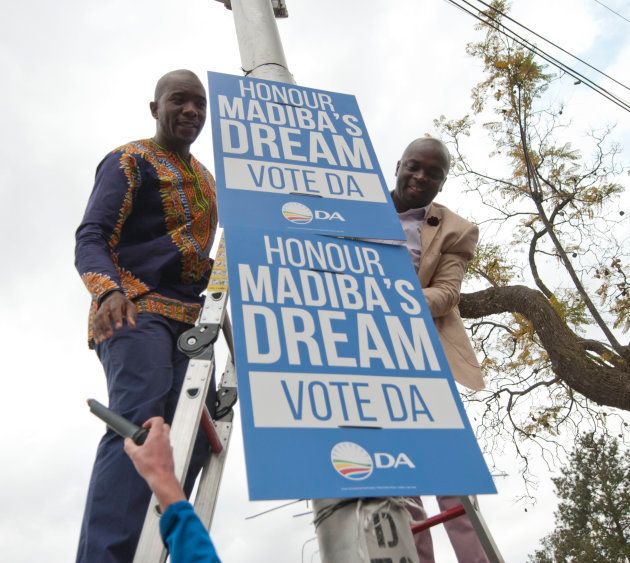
179 109
420 174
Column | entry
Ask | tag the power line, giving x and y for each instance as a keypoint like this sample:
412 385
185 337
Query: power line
580 78
506 16
505 30
613 11
502 28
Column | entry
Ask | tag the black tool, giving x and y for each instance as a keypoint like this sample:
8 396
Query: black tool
117 423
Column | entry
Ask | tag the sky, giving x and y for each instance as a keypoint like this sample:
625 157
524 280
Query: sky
77 80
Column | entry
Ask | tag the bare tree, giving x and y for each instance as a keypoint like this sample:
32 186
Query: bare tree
551 319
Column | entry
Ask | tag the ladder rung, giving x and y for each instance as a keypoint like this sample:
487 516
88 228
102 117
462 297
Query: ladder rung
440 518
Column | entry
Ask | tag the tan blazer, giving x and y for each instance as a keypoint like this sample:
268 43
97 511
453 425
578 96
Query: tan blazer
446 250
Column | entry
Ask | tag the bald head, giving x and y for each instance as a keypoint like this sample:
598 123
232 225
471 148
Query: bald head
165 81
420 173
429 143
179 110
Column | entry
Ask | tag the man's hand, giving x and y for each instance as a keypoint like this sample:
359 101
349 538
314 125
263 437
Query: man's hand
114 309
154 461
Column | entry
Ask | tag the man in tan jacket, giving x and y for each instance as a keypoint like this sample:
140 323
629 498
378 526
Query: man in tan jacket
441 243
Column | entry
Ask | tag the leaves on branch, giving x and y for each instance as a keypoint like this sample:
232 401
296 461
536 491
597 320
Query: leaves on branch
547 201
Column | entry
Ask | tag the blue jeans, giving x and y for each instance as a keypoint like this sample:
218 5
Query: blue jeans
145 372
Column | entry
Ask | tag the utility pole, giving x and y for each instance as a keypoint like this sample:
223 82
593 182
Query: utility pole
348 530
262 55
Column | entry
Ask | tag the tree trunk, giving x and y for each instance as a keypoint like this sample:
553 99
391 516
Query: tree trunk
604 385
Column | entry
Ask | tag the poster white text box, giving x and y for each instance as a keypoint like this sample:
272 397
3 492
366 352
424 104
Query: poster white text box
284 178
307 400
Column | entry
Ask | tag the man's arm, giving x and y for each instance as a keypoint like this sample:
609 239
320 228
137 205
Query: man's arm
180 527
110 203
442 293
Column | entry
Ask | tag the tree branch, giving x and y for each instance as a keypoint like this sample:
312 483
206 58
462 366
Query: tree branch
536 196
569 360
532 263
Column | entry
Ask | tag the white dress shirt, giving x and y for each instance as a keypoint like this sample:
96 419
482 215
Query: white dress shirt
412 221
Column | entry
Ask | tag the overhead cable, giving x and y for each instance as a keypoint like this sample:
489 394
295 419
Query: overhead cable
613 11
506 16
503 29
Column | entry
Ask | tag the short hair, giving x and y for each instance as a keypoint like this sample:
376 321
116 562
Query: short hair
162 83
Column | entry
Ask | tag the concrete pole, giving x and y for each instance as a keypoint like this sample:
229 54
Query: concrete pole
262 55
348 531
375 530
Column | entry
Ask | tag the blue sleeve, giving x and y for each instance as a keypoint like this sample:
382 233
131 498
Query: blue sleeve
117 178
185 536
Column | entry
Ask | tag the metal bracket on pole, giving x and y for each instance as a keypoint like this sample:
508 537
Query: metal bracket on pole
279 7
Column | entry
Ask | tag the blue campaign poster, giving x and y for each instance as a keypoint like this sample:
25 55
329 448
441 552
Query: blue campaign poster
344 387
291 157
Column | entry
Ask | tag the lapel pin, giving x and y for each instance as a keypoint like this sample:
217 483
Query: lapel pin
433 221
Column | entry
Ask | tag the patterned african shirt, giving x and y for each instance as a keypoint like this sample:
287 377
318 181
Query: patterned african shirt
147 231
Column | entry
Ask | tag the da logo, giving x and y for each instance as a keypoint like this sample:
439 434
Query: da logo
297 213
351 461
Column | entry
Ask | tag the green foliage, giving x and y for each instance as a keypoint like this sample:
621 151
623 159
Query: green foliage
615 290
489 263
593 516
508 68
544 420
547 201
557 204
571 308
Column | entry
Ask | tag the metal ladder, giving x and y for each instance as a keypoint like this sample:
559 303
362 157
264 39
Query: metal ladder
470 507
191 412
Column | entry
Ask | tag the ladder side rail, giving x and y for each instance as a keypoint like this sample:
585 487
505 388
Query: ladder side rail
209 429
212 472
184 429
208 491
482 530
197 343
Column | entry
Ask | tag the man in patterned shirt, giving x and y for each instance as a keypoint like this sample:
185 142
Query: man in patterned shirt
142 251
